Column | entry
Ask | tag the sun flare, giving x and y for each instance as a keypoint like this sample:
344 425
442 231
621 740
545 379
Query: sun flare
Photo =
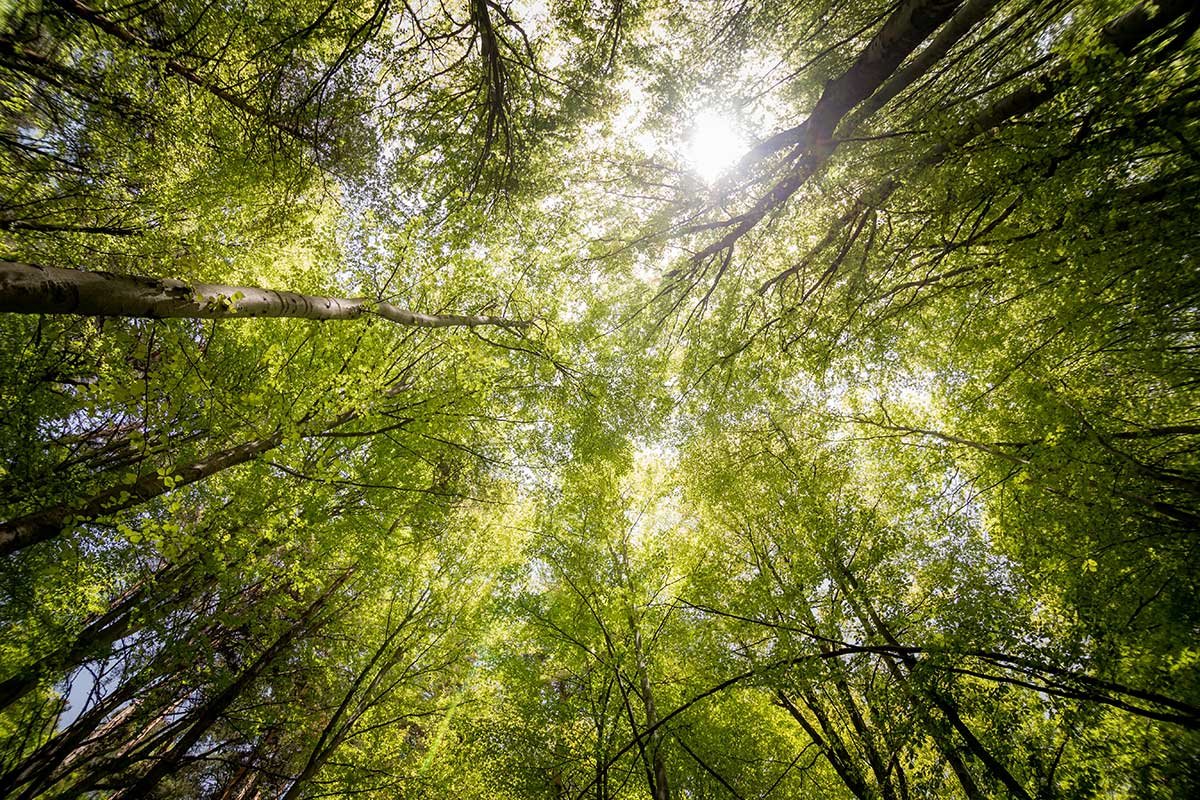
713 146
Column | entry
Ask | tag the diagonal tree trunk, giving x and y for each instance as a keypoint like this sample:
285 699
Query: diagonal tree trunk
834 751
814 140
355 702
207 714
93 733
900 35
862 729
871 621
1125 33
40 526
127 615
30 289
902 32
118 725
243 784
46 524
971 14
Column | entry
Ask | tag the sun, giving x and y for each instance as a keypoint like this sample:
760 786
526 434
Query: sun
713 146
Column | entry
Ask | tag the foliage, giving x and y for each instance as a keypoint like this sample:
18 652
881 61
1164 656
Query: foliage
868 468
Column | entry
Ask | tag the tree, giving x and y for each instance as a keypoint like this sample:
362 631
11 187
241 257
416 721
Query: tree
40 290
815 417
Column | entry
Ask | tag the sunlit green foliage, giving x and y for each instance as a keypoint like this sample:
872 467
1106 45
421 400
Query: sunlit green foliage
858 457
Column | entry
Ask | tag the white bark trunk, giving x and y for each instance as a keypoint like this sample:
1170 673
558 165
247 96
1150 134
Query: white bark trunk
30 289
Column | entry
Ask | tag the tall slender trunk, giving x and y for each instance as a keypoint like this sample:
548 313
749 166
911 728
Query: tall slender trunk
833 749
653 749
212 709
354 703
871 621
655 744
862 729
124 617
832 746
46 524
87 736
243 784
31 289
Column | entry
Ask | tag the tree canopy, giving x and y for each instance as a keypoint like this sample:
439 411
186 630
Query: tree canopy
543 399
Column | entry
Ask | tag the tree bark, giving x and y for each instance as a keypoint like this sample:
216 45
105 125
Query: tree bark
85 738
43 525
862 729
212 710
30 289
661 789
101 632
243 784
906 28
963 21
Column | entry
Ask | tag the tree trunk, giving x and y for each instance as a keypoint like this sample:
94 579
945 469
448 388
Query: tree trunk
845 766
967 17
43 525
862 729
1125 33
342 721
46 524
100 633
655 744
30 289
243 784
871 620
906 28
84 738
657 767
211 711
